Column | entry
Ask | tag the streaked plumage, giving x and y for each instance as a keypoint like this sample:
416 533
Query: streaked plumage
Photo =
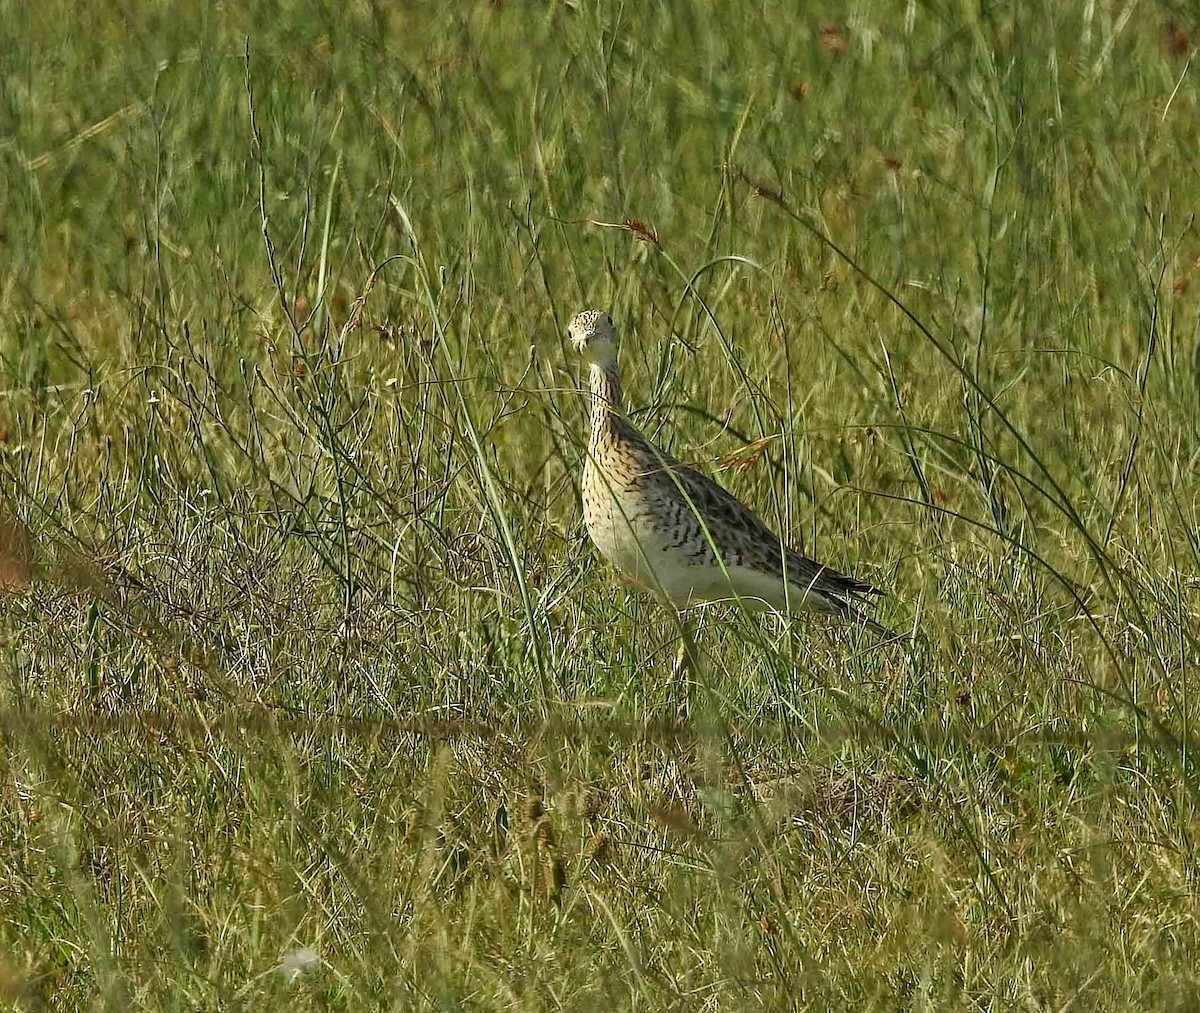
676 531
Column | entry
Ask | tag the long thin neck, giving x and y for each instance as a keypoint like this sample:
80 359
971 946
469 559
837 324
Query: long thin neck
607 401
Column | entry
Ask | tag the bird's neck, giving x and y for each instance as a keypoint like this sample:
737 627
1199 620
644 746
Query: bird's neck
607 402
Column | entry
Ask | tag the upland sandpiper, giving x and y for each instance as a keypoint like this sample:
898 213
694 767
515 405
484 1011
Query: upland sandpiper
676 532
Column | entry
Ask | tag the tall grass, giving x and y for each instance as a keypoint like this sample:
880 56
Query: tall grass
315 693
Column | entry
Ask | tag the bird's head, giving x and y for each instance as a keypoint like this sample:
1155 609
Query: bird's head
594 336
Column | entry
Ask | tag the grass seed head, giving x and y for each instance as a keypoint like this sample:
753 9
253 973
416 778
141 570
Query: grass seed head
645 232
674 818
16 553
1176 39
554 874
598 848
835 39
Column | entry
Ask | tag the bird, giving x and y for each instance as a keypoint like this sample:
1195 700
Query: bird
674 531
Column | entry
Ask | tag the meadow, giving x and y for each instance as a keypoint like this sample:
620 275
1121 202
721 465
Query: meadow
313 693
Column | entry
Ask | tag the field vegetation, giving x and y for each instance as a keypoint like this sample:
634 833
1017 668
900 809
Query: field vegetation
314 694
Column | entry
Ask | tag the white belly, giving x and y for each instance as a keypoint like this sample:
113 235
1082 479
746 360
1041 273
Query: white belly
628 531
622 529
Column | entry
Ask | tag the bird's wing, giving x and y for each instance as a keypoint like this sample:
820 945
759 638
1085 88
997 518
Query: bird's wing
742 539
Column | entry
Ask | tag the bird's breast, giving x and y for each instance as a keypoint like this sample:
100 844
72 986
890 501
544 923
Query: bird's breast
640 529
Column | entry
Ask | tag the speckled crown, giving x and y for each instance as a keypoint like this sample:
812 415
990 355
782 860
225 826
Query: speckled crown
591 320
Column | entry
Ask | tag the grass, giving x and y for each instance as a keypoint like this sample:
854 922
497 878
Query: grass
315 695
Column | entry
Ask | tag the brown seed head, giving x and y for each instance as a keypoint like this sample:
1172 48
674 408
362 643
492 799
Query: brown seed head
555 876
16 553
674 818
645 232
598 847
1176 40
834 37
745 458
